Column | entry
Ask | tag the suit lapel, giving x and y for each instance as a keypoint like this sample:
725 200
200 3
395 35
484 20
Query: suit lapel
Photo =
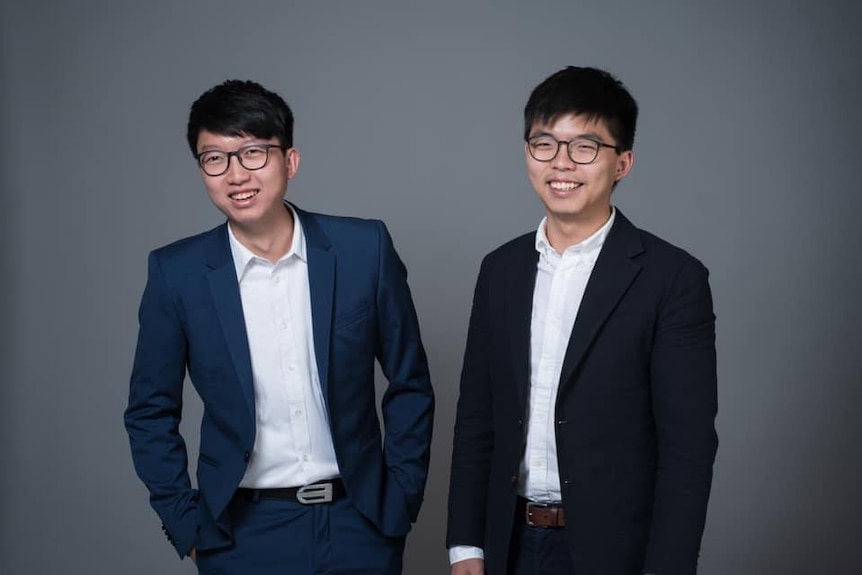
521 282
612 275
224 288
321 285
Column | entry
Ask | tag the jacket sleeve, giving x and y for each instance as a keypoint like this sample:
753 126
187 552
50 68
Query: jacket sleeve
408 402
155 404
474 432
684 395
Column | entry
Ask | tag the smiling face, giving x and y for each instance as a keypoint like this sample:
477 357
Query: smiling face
577 197
250 199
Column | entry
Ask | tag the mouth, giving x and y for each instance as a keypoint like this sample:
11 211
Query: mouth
243 196
564 186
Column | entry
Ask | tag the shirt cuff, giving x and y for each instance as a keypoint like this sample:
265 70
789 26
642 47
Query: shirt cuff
462 552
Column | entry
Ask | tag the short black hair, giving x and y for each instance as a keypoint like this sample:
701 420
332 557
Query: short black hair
239 108
589 92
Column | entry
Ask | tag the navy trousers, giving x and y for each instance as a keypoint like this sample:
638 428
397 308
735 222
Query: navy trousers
538 551
280 537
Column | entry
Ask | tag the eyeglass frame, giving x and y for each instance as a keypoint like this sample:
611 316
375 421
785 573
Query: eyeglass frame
237 153
568 143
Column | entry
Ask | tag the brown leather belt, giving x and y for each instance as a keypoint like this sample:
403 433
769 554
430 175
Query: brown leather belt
541 514
320 492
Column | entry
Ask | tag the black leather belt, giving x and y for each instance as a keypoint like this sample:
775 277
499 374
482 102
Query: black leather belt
320 492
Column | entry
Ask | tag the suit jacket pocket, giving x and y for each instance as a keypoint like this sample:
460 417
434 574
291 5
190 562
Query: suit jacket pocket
352 316
204 458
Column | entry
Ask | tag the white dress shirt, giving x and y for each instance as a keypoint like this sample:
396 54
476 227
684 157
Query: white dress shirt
561 280
293 443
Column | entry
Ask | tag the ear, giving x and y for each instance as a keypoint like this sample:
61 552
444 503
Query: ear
625 161
291 162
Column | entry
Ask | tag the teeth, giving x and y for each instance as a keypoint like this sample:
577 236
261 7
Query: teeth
243 195
563 185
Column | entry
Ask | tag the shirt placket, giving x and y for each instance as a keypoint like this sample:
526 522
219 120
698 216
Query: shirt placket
549 369
289 350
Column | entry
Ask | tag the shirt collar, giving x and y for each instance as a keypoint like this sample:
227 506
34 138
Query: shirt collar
242 256
592 244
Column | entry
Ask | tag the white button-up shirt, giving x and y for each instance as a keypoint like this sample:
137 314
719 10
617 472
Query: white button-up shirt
561 280
293 443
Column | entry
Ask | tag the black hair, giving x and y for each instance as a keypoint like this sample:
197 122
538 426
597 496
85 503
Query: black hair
589 92
239 108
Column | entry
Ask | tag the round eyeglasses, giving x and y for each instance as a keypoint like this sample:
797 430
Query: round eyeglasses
580 150
251 157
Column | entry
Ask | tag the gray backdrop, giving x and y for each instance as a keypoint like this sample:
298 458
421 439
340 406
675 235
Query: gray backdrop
411 112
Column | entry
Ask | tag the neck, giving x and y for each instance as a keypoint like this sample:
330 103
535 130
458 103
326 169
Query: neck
271 239
564 233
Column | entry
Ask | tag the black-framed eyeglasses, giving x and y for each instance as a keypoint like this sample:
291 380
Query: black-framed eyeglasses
581 150
251 157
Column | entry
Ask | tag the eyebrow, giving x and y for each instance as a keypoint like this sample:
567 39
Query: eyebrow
586 135
214 148
243 142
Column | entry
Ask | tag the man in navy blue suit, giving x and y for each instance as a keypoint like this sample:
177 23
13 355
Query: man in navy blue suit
278 316
584 439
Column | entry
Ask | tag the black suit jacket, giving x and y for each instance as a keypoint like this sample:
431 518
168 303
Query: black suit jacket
634 415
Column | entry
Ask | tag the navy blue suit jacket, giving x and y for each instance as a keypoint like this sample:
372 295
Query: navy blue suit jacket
191 321
634 414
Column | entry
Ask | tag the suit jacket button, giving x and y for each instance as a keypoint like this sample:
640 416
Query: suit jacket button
514 479
246 456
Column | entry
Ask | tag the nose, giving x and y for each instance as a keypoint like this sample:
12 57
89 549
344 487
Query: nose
562 161
236 174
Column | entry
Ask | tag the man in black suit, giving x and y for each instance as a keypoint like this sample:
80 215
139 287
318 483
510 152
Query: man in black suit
585 436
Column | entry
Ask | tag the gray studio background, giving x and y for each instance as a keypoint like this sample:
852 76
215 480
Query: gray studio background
747 155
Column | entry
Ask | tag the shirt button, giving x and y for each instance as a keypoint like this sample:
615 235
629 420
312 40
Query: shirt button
291 367
283 326
298 413
305 458
276 279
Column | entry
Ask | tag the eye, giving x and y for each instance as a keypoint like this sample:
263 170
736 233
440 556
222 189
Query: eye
211 158
253 152
543 144
585 146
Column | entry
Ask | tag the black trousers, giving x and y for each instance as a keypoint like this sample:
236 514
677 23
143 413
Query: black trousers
539 551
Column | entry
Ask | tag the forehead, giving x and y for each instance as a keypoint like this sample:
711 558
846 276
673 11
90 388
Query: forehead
571 125
211 141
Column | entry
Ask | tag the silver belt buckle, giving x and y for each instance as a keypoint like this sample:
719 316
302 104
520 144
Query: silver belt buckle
316 493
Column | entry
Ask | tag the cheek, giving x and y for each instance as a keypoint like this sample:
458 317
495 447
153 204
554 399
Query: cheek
276 184
273 180
535 174
537 182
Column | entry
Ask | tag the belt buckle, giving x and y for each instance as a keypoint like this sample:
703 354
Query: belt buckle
316 493
529 512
